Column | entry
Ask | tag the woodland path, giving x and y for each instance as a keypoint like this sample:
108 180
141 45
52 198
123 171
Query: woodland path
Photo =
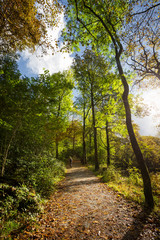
85 208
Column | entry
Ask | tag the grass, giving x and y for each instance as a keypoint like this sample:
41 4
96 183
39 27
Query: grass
135 193
128 190
131 187
9 227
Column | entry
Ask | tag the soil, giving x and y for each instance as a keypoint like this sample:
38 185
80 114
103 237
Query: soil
85 208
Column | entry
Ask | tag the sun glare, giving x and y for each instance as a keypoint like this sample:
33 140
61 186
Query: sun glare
148 124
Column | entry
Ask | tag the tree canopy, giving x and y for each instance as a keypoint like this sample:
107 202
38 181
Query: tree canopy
101 25
84 113
24 23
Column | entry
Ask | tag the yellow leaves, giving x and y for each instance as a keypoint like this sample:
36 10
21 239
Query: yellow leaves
71 223
87 231
157 229
106 238
26 23
95 222
105 213
74 207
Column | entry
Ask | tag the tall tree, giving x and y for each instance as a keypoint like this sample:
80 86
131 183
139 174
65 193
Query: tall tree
12 103
82 105
100 24
91 75
59 85
74 134
29 108
110 113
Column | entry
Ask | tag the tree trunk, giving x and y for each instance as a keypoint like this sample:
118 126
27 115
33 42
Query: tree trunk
108 144
84 131
90 142
143 168
57 152
73 139
94 131
58 113
7 149
117 44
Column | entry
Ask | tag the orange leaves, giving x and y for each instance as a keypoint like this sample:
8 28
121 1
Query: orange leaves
26 23
95 222
82 210
87 231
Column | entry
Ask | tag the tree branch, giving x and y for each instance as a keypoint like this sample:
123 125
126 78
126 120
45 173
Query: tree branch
114 40
78 19
148 9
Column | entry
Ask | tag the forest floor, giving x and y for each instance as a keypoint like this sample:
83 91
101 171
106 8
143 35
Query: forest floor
85 208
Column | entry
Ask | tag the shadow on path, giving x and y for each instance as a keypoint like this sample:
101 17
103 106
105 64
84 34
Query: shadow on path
69 187
137 226
84 208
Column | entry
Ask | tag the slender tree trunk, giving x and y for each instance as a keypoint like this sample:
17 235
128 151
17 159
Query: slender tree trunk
57 142
90 142
117 45
108 144
84 131
7 150
94 131
143 168
57 152
73 139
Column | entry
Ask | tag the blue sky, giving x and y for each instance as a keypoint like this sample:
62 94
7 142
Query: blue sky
25 71
32 64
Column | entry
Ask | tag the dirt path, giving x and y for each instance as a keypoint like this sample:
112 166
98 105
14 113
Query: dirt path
85 208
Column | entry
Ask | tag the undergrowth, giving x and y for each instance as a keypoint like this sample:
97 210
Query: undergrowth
20 205
130 185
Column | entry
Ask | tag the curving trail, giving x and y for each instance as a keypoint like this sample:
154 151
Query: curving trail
85 208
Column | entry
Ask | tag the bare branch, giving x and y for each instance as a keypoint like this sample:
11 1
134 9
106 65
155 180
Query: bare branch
147 10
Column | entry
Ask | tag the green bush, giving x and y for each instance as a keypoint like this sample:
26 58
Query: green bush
40 173
17 205
17 200
47 174
135 176
22 202
110 174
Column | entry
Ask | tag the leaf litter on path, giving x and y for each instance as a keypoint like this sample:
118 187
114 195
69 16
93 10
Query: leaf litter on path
85 208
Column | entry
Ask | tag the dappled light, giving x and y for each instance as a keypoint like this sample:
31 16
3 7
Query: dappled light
85 208
79 146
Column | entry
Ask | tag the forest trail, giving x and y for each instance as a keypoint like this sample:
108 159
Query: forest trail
85 208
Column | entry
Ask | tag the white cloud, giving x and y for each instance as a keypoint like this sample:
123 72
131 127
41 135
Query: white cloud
38 61
148 124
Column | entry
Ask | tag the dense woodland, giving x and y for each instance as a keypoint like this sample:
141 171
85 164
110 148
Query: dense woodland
42 123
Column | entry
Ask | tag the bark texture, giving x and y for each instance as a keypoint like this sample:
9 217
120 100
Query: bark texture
137 151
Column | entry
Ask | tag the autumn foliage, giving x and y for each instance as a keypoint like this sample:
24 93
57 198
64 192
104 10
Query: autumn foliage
24 23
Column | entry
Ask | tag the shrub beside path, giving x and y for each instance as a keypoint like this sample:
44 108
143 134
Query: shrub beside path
85 208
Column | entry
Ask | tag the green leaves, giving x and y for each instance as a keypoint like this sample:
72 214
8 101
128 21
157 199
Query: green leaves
33 111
